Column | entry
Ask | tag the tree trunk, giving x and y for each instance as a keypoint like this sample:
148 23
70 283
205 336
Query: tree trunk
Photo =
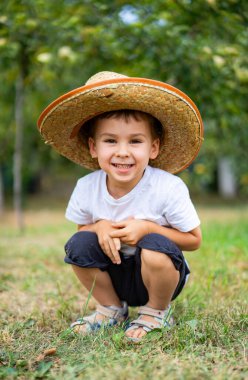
226 179
1 193
17 164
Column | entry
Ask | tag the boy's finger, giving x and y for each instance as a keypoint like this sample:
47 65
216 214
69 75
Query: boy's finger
118 233
117 257
119 224
117 243
106 249
115 253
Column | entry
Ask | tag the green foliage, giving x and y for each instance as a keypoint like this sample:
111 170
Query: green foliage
198 46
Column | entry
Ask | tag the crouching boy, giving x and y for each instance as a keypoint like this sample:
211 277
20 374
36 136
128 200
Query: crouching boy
134 216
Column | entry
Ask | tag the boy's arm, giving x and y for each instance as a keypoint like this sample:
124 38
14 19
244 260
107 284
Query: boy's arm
131 231
109 245
186 241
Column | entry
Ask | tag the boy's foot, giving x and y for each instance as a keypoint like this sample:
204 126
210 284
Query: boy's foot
104 316
148 320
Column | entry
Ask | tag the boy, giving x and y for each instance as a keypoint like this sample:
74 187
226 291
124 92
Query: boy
133 220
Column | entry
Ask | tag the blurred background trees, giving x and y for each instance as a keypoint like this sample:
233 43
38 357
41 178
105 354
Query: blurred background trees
50 47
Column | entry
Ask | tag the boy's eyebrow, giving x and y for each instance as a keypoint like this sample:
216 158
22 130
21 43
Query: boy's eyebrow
114 135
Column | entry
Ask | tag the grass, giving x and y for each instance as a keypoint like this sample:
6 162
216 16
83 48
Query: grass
40 297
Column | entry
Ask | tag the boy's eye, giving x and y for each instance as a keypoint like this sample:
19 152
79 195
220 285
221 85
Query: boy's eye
136 141
110 141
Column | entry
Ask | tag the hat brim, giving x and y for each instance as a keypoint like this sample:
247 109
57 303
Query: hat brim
61 121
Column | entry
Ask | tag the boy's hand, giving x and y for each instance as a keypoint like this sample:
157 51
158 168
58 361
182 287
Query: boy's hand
130 231
110 245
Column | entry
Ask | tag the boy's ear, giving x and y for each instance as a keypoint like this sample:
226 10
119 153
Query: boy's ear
92 147
154 149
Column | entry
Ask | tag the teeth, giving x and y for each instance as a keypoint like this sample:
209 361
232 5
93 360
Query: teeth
122 166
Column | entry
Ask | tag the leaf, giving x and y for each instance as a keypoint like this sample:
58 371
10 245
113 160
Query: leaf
48 352
193 323
29 323
42 369
21 363
10 371
155 334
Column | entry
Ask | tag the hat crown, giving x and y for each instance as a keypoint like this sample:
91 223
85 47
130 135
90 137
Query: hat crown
104 75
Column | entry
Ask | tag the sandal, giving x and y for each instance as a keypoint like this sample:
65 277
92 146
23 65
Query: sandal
162 318
115 315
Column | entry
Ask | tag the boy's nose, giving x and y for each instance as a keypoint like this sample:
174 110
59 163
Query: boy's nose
122 150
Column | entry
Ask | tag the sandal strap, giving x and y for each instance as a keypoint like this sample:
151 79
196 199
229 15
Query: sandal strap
107 312
160 314
114 316
148 324
159 320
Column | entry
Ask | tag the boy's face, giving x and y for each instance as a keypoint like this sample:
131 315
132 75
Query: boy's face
123 149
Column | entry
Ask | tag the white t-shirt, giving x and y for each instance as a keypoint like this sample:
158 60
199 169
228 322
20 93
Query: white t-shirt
159 196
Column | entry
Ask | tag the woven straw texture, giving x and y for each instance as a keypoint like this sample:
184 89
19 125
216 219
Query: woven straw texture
61 121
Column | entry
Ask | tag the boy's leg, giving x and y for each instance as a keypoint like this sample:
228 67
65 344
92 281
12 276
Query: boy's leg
87 259
160 278
103 290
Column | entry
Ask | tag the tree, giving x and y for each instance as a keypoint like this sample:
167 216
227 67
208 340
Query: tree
23 34
198 46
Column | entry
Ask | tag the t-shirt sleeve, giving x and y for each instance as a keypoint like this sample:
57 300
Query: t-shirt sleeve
180 211
77 210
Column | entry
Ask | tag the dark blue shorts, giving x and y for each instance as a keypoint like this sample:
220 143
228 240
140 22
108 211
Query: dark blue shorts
83 250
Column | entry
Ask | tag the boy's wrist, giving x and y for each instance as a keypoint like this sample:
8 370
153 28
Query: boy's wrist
99 224
96 226
149 226
152 227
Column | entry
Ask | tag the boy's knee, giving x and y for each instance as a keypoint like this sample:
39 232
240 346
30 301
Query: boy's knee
158 243
156 260
83 249
81 240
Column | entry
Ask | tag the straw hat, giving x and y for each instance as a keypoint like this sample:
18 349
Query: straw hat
61 121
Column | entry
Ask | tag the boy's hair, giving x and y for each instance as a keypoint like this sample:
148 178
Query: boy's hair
157 130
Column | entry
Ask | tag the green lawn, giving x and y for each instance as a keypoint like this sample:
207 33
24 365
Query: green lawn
40 297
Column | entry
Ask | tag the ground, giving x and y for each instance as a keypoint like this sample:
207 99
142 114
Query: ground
39 298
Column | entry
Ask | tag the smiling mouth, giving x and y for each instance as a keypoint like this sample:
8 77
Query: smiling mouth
122 166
